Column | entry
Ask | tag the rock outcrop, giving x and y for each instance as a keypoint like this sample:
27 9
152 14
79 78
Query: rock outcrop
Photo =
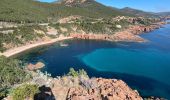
73 2
93 89
69 19
51 31
106 89
142 29
32 67
129 35
91 36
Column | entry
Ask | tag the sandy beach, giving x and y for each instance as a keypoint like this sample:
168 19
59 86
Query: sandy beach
14 51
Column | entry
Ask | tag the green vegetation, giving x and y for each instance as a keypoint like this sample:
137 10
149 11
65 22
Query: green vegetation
27 34
21 11
103 27
21 35
31 11
11 73
26 91
139 13
74 73
99 26
146 21
90 9
58 26
95 18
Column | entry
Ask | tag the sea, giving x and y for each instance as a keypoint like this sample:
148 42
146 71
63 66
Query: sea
143 66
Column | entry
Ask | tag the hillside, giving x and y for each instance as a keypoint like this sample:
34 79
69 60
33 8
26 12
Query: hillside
65 17
26 24
34 11
91 8
21 10
138 13
164 13
31 11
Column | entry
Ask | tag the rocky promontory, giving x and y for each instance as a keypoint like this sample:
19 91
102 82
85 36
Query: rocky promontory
131 34
81 88
76 85
104 89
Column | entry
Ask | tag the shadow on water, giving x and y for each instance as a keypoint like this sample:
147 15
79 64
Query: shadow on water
45 94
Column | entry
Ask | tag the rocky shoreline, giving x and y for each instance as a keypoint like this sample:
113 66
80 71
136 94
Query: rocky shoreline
106 89
82 87
130 34
76 85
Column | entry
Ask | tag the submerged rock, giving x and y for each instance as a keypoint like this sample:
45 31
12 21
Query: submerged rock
32 67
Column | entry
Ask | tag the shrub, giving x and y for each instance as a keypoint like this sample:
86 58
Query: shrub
3 93
26 91
82 72
11 73
74 73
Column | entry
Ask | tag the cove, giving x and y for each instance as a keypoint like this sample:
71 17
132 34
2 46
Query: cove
143 66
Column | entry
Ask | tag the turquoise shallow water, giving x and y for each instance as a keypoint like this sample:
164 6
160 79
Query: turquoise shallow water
143 66
150 63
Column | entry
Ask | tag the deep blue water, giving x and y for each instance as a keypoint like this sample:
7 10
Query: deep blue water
143 66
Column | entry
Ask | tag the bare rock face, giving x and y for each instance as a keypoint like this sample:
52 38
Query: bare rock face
73 2
69 19
130 34
90 36
127 36
141 29
116 90
106 89
37 66
51 31
119 36
84 88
